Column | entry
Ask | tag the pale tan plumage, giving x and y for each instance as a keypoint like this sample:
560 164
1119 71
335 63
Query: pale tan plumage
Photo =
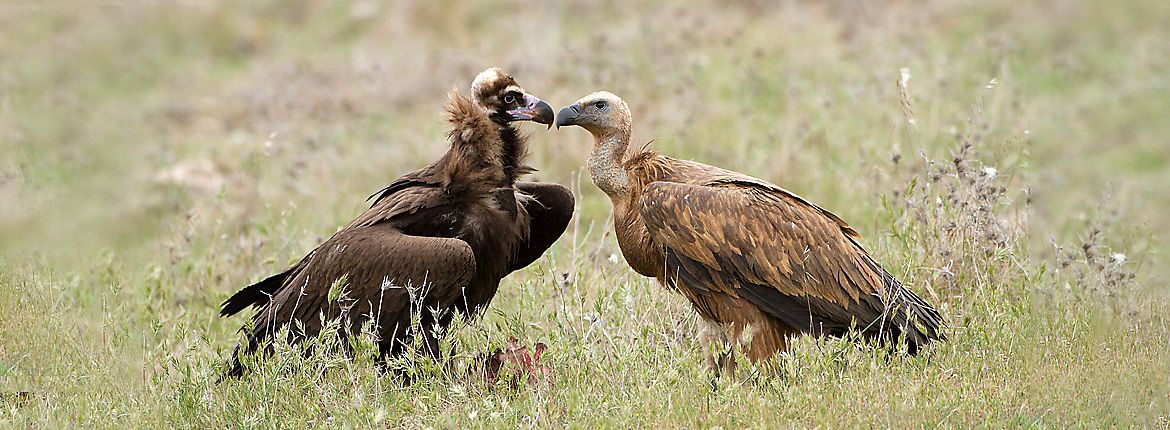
744 252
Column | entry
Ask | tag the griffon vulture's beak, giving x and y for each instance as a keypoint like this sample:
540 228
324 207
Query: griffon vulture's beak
568 115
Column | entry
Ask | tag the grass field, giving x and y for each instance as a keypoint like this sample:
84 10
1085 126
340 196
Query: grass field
1007 160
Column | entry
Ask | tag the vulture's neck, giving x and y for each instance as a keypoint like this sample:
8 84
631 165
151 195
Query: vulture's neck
605 164
514 151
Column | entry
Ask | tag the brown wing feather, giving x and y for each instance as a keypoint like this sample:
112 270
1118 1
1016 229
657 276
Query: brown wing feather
728 178
378 264
411 193
429 176
794 260
405 201
549 208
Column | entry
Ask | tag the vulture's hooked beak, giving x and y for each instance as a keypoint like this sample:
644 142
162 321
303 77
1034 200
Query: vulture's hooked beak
568 115
535 110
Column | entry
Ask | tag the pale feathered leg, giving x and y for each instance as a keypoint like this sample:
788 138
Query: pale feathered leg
718 352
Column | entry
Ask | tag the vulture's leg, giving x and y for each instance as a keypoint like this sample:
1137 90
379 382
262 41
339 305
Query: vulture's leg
549 213
764 338
718 351
756 334
433 329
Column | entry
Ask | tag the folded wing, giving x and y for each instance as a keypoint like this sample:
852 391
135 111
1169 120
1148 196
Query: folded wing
795 261
361 272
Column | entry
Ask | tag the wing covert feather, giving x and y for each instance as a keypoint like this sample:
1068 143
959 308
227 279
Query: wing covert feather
766 245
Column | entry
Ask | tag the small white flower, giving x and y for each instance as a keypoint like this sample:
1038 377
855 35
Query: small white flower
990 172
1119 258
991 84
613 258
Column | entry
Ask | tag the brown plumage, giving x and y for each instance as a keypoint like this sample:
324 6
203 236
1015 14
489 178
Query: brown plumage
435 242
745 252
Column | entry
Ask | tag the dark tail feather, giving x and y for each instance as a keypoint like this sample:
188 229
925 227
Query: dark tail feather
913 318
254 295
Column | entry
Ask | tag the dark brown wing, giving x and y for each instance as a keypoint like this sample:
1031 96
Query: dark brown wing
427 176
410 194
382 271
798 263
408 199
549 207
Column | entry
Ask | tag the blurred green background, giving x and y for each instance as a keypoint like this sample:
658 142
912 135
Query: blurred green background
155 156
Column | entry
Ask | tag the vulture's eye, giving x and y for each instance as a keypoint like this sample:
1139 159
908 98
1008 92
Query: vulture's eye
600 104
509 98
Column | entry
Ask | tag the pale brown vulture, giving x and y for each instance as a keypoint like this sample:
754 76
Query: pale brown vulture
745 252
436 241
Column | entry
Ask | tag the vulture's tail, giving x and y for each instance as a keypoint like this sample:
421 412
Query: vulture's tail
254 295
918 321
910 317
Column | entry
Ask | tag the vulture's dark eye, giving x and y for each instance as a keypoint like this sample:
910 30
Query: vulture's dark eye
600 104
509 98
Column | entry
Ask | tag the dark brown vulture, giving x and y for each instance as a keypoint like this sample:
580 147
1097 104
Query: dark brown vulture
745 252
435 241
